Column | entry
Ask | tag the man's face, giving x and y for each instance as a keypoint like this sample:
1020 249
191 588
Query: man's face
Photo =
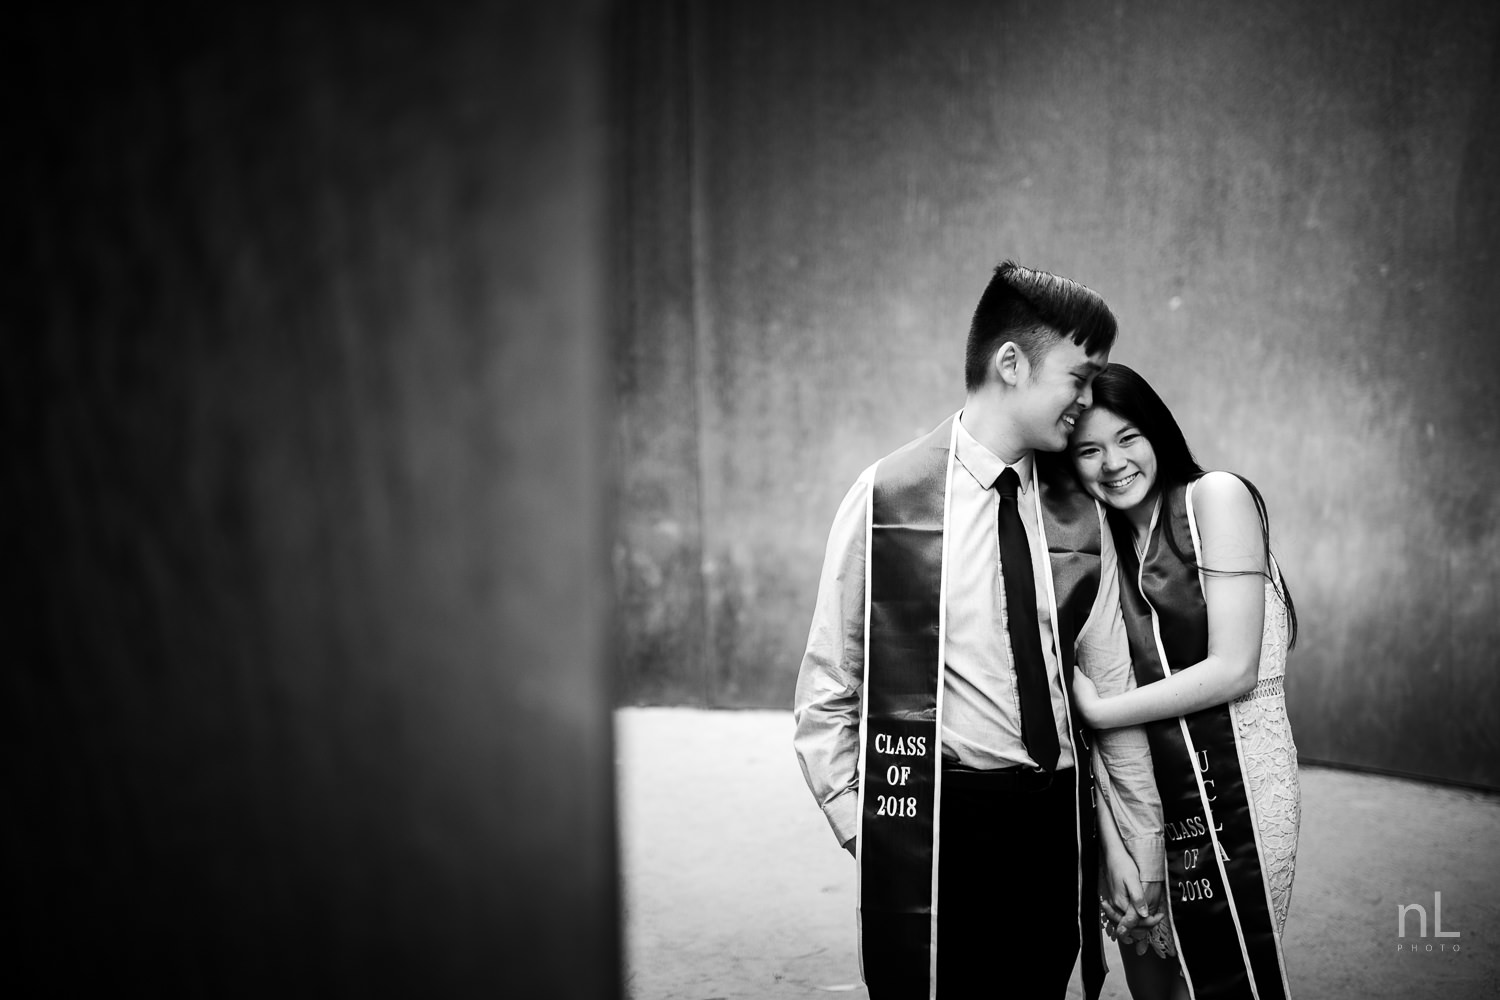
1052 394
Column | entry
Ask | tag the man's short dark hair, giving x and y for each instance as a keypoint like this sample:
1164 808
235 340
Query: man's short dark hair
1035 309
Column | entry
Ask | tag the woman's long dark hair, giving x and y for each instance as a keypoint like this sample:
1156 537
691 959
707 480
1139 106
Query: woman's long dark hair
1123 392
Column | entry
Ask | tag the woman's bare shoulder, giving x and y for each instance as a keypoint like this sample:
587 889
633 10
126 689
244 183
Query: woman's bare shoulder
1219 489
1228 519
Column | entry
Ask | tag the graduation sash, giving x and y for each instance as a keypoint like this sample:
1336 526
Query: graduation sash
900 785
1220 902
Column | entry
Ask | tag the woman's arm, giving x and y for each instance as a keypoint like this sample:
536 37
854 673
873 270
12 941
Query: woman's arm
1233 544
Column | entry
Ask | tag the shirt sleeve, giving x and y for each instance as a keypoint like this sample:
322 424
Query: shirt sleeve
1122 757
826 707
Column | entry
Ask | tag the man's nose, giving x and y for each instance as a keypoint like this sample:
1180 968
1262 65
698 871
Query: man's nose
1086 398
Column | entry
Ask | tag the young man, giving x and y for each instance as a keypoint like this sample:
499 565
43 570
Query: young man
959 589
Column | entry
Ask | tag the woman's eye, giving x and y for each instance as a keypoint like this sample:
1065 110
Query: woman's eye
1129 439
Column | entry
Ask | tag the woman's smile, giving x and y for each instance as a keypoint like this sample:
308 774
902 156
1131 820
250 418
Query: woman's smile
1114 461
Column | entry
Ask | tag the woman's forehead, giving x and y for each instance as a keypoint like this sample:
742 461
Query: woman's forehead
1098 422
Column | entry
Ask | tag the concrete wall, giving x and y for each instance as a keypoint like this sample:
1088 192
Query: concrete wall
304 376
1293 209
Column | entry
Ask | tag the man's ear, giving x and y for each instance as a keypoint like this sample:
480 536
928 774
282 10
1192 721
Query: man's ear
1011 366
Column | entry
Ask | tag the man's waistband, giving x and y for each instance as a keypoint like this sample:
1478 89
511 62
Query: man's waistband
1004 779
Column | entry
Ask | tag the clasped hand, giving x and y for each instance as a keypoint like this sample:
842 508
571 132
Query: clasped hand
1128 909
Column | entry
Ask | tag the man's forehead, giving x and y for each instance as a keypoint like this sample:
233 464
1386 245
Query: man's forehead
1066 354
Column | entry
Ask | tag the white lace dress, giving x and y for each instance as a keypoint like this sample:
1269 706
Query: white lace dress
1269 758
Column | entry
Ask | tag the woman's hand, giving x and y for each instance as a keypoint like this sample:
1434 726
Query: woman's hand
1125 904
1145 936
1085 697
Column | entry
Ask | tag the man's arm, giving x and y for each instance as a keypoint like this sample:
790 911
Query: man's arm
1122 754
1122 898
827 703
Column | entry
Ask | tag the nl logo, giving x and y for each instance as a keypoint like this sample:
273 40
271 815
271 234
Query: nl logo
1403 910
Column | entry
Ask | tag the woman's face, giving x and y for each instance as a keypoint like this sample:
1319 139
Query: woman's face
1114 461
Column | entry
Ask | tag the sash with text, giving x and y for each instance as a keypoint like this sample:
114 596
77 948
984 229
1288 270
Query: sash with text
1220 906
901 747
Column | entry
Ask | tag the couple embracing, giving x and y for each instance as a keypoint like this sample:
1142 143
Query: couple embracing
1041 700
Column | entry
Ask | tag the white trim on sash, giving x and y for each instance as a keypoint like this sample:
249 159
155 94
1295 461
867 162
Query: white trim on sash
864 726
1140 570
937 765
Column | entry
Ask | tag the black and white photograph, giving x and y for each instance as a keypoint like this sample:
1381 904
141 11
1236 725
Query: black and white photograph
752 500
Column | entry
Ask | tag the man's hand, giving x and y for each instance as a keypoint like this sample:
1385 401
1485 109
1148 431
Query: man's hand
1154 892
1126 904
1143 936
1115 879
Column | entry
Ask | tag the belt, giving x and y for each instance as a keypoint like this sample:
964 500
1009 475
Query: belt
1004 779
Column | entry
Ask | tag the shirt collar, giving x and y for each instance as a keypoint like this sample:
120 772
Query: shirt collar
984 465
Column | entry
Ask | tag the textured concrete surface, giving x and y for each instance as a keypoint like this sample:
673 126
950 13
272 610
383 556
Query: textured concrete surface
1293 208
734 888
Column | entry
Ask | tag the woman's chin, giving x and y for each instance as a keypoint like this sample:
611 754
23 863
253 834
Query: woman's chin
1120 502
1102 495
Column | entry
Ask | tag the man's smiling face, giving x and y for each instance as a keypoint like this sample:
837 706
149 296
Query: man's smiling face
1051 394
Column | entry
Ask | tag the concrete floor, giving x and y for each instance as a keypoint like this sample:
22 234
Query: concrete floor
734 887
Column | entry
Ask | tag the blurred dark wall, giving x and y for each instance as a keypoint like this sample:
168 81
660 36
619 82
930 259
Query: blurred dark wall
1293 208
304 371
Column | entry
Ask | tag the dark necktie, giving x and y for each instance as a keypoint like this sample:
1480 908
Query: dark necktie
1038 730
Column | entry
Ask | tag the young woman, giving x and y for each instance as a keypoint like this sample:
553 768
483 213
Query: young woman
1210 622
